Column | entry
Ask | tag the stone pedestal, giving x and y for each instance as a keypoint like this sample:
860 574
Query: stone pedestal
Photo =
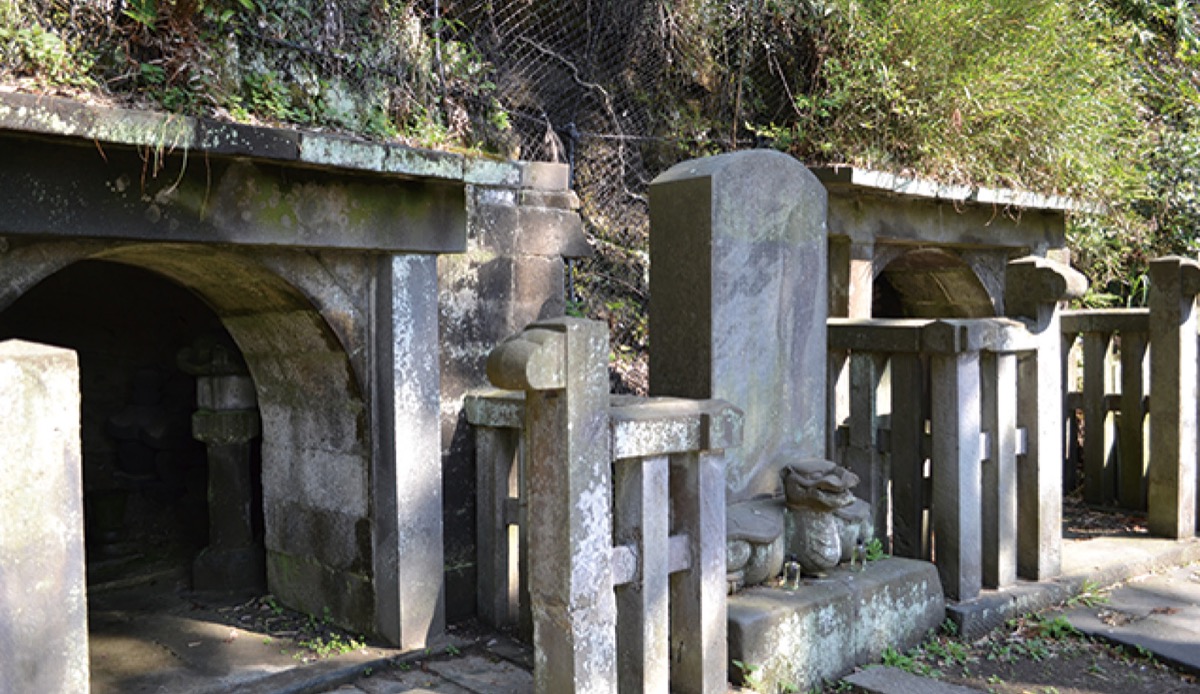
827 626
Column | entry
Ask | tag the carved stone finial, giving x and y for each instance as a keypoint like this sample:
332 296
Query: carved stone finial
1033 281
534 359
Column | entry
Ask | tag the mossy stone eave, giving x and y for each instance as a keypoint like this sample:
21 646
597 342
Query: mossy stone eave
166 132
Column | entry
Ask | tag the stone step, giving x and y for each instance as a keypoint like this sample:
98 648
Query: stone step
889 680
824 628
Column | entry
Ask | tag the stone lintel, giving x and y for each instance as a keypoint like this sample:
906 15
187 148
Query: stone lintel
641 427
940 336
70 189
905 220
663 426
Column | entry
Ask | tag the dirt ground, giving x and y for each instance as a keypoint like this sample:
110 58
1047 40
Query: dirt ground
1042 655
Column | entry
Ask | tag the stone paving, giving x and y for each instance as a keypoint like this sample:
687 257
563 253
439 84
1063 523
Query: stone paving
1158 612
495 665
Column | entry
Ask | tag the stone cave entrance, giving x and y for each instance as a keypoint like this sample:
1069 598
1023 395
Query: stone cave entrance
145 474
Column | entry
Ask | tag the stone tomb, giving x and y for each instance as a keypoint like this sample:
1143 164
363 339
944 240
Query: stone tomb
360 285
738 250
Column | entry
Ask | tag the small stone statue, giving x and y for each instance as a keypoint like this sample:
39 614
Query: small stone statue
754 542
825 521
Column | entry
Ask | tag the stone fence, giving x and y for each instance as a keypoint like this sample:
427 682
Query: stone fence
1125 356
973 498
608 513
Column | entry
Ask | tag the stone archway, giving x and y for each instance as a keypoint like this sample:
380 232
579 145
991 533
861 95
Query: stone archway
145 477
316 439
930 283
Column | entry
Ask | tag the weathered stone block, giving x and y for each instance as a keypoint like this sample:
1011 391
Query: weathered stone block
318 478
828 626
348 599
43 612
340 541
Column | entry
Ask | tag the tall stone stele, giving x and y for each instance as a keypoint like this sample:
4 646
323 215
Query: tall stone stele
739 272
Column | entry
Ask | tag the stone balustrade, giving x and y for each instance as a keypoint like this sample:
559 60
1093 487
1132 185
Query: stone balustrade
1123 351
602 518
1107 382
968 401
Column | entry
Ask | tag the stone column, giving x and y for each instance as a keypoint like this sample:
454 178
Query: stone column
1033 289
1174 284
406 470
43 610
562 365
998 384
862 279
226 421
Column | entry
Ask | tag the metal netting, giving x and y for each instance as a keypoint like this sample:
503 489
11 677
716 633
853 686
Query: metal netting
622 90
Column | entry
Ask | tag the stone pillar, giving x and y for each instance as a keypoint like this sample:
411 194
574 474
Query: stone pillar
642 522
1171 506
862 279
1033 289
43 610
998 383
957 483
738 251
562 365
406 474
226 421
698 607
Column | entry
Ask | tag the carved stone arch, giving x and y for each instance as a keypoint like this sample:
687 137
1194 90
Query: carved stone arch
316 439
930 283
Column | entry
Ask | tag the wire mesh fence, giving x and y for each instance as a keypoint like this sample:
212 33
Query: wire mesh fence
619 89
622 90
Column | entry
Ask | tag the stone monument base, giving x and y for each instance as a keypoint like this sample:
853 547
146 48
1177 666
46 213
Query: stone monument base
825 627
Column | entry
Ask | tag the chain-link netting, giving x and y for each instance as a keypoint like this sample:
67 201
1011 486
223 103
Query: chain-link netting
619 89
622 90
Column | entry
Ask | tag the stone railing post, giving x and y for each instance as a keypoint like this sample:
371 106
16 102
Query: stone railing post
1174 284
562 366
498 418
956 454
1033 289
226 421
